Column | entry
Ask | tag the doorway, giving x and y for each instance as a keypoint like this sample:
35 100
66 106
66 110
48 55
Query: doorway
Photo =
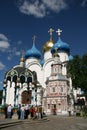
54 109
26 97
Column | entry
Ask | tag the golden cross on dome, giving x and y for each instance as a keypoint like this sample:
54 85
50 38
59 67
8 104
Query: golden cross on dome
34 38
51 32
59 31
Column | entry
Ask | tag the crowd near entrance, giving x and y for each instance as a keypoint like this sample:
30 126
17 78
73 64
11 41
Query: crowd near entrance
24 112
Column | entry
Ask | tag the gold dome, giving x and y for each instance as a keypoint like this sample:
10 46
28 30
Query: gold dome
48 45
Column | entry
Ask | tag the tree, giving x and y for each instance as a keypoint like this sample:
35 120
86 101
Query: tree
83 72
77 70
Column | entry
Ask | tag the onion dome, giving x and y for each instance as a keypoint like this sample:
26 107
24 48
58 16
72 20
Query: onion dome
48 45
42 62
33 52
70 57
62 46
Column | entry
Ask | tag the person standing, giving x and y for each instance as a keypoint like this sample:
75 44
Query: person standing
26 112
22 112
19 111
9 110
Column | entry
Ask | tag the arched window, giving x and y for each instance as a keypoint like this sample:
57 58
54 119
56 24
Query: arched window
22 79
61 88
15 78
53 89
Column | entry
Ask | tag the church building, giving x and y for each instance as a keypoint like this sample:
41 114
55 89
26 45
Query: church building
41 78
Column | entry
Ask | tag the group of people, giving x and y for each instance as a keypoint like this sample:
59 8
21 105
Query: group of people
24 112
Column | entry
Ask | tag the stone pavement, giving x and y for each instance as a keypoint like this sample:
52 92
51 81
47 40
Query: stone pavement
54 123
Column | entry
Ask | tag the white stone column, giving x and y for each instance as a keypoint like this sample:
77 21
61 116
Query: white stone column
3 98
17 90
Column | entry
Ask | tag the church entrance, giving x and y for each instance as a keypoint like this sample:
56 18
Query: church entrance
54 109
26 97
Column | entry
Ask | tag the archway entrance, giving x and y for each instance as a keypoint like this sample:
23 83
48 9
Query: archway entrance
54 109
26 97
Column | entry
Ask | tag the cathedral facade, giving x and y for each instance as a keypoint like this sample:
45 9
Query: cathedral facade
41 81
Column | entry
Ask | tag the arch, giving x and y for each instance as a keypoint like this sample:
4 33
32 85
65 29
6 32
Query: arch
9 78
22 79
15 78
12 72
29 79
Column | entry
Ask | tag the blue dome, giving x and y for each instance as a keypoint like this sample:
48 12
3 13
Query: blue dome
70 57
62 46
33 52
42 62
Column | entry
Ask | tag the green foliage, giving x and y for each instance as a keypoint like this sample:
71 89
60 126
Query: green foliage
84 111
77 70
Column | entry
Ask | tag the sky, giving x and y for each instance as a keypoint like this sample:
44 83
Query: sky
20 20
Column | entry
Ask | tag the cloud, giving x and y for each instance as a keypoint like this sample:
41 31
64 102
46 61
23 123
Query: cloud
4 43
84 3
55 5
36 9
3 37
2 66
13 52
41 8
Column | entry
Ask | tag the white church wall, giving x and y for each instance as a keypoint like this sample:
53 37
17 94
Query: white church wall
31 60
7 92
10 93
64 70
11 96
38 69
47 69
63 56
47 55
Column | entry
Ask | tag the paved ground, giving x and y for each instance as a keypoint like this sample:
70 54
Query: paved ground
54 123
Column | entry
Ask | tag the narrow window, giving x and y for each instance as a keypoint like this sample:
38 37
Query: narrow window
48 106
53 89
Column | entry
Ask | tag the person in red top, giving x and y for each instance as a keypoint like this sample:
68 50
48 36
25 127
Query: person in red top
32 111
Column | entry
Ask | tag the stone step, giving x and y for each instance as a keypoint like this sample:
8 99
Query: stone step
10 122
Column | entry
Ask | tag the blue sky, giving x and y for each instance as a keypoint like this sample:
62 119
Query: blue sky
21 19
